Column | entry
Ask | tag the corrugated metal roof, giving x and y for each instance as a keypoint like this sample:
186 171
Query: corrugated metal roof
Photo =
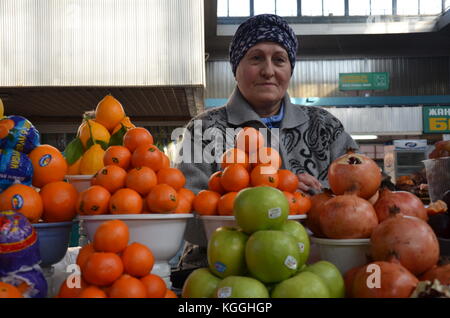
380 120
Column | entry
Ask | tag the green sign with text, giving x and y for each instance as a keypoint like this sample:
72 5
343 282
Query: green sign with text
363 81
436 119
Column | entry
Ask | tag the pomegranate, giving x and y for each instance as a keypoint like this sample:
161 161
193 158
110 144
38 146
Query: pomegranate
441 273
349 278
347 216
317 200
354 172
394 281
407 202
409 239
374 198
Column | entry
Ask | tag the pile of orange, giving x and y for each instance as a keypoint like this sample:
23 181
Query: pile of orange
106 127
136 178
112 268
50 199
249 164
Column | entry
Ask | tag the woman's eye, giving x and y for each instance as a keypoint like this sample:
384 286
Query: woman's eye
256 58
280 60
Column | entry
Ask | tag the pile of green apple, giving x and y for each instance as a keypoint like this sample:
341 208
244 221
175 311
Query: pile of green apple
265 256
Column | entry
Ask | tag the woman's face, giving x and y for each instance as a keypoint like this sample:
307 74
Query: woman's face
263 75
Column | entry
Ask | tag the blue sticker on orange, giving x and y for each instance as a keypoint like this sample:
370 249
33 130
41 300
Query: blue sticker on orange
45 160
17 202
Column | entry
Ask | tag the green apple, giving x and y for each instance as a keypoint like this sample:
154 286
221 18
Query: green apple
331 275
301 236
241 287
272 256
201 283
303 285
226 252
260 208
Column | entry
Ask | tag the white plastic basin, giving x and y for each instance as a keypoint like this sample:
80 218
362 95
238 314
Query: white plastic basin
80 181
162 233
344 253
212 222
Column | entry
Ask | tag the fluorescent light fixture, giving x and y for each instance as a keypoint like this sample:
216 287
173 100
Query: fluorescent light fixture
364 137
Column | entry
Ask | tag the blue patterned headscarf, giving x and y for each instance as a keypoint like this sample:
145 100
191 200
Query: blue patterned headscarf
262 28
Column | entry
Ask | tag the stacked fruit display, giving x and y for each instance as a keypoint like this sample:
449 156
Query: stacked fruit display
105 127
111 267
249 164
31 187
264 257
136 177
402 245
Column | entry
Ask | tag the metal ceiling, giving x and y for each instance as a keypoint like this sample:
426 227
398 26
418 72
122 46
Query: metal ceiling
67 104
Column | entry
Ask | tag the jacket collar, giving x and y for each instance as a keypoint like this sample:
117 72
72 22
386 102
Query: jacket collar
240 112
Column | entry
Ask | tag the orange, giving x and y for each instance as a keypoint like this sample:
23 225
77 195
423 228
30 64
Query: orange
205 202
59 200
92 160
109 112
304 202
117 155
128 287
8 123
23 199
265 155
9 291
183 206
234 156
155 285
49 165
71 292
234 178
172 176
293 207
264 175
125 201
165 161
92 292
214 183
99 133
125 122
187 194
249 139
137 260
111 236
225 204
136 137
162 199
102 269
141 179
74 168
83 254
170 294
148 156
4 131
111 177
287 180
93 201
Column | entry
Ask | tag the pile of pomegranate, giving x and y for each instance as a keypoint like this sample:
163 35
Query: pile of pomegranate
404 248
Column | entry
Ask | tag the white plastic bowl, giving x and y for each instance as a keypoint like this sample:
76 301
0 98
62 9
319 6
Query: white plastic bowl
162 233
80 181
344 253
212 222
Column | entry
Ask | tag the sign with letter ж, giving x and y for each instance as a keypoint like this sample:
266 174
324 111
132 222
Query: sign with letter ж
436 119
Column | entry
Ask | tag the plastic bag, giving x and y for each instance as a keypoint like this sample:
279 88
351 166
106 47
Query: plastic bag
15 167
24 137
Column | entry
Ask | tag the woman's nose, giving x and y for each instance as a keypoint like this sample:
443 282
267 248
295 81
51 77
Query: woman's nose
267 70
